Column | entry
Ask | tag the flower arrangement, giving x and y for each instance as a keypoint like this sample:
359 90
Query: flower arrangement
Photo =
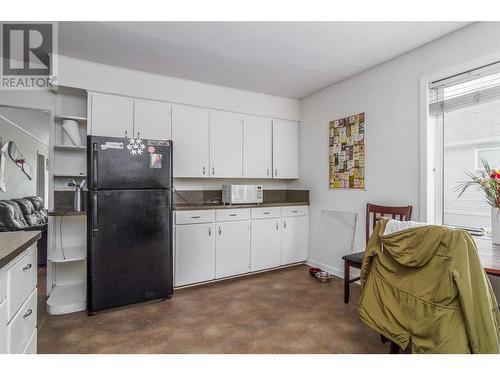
488 181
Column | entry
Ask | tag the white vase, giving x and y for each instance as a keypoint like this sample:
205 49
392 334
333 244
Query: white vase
495 225
72 131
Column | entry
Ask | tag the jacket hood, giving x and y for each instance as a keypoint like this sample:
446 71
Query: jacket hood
412 247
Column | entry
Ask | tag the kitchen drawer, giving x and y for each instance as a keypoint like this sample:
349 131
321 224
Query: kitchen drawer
3 285
194 217
3 327
21 280
266 212
32 345
232 214
21 328
294 211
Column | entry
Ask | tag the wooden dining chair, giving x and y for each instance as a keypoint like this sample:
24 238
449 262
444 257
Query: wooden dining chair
373 213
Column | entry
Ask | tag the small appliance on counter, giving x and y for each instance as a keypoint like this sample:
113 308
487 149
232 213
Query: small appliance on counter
129 221
242 194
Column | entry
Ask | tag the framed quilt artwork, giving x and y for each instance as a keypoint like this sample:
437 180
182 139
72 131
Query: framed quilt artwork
346 140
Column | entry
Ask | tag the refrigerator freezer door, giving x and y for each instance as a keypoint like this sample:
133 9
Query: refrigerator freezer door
113 165
129 247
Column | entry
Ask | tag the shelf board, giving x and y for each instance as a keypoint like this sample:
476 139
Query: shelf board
66 299
70 175
70 148
79 119
72 253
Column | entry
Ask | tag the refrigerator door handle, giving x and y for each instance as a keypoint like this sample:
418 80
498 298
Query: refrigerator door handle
94 165
94 214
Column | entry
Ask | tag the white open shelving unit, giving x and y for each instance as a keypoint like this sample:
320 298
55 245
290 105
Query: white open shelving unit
67 249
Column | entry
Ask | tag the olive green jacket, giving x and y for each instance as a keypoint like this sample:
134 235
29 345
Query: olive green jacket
427 284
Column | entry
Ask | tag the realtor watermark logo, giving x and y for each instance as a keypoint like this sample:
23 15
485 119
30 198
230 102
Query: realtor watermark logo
29 55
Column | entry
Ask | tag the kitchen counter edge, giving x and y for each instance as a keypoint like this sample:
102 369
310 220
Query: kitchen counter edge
14 243
211 206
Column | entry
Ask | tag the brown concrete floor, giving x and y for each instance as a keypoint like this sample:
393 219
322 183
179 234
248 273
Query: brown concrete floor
283 311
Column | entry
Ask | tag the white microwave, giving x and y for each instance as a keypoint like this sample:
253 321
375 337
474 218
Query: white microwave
242 194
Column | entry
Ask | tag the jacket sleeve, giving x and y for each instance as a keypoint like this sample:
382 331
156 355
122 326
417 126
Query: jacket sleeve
371 248
479 305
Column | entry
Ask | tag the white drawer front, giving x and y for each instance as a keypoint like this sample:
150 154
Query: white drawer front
3 327
230 214
32 345
21 280
21 328
266 212
294 211
3 285
194 217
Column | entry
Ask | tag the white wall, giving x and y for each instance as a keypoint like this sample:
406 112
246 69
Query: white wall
17 183
389 94
105 78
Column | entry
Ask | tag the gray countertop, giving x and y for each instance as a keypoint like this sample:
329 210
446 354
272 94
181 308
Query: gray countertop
213 206
14 243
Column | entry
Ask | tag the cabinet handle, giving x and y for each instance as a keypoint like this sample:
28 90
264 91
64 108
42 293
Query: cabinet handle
213 170
265 213
195 217
28 313
275 172
126 134
220 231
139 135
204 170
284 224
267 171
27 267
209 231
277 226
295 211
233 214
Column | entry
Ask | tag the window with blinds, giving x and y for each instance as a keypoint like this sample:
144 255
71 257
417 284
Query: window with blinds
466 110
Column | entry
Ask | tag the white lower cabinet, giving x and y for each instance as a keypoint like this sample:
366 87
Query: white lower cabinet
294 239
213 244
18 304
232 248
266 244
194 253
3 327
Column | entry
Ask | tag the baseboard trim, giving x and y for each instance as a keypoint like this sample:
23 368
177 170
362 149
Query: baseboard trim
325 267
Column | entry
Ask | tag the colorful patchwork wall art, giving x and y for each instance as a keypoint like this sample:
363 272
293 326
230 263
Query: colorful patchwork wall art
347 152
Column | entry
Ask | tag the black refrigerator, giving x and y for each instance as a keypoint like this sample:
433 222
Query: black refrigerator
129 221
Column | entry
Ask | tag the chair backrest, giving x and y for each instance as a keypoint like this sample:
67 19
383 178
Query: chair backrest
374 212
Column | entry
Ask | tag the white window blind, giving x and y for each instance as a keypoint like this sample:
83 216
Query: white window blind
468 89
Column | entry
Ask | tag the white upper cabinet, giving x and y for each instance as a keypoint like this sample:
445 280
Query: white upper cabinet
225 144
190 135
257 147
285 149
152 120
112 115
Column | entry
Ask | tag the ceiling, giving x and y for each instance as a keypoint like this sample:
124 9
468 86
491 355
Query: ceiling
290 59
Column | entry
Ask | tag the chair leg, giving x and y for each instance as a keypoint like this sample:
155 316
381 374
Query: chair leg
346 281
394 348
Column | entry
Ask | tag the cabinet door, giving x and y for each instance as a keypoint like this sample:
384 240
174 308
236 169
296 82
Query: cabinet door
265 244
194 253
112 115
3 327
295 231
225 144
232 248
285 149
152 120
190 134
257 147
